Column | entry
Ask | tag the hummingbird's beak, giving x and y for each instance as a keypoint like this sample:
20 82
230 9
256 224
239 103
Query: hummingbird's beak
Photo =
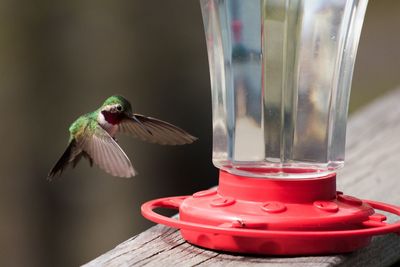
141 124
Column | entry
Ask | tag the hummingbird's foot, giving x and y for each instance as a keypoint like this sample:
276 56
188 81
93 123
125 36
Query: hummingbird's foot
115 139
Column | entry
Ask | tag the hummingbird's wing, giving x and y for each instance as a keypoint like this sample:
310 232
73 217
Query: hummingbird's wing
155 131
107 154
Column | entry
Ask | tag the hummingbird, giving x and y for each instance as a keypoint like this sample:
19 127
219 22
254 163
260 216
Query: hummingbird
93 136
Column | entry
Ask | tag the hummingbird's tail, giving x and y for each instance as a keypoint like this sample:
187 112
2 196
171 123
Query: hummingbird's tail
70 155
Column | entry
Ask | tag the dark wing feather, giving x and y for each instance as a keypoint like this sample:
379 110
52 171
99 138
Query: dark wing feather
69 155
156 131
107 154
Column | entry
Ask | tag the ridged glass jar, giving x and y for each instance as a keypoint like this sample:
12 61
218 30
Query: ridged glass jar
281 73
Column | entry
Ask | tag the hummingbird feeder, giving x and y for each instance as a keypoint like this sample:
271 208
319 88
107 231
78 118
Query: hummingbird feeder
280 76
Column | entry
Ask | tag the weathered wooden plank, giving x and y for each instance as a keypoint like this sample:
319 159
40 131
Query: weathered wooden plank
371 172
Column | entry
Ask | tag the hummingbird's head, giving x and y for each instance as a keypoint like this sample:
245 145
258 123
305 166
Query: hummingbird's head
115 109
116 105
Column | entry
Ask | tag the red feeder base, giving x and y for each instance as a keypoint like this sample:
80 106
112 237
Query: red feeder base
275 217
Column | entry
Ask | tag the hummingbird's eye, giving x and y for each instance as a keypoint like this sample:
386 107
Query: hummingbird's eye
119 107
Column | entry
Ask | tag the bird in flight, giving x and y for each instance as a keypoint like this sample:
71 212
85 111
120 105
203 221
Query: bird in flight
92 136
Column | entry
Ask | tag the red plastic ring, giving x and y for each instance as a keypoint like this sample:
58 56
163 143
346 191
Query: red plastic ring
148 207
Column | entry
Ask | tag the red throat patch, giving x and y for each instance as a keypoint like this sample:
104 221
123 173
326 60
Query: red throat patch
112 118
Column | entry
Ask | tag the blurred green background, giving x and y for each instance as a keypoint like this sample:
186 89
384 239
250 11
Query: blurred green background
60 59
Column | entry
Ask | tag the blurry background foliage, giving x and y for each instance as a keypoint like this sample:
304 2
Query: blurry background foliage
60 59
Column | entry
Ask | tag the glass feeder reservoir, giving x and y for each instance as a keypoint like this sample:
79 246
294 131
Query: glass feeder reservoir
280 77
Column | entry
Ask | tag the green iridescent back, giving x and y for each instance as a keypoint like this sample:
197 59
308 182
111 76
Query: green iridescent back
78 127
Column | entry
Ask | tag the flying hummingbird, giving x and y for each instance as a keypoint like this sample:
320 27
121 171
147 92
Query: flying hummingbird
92 136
